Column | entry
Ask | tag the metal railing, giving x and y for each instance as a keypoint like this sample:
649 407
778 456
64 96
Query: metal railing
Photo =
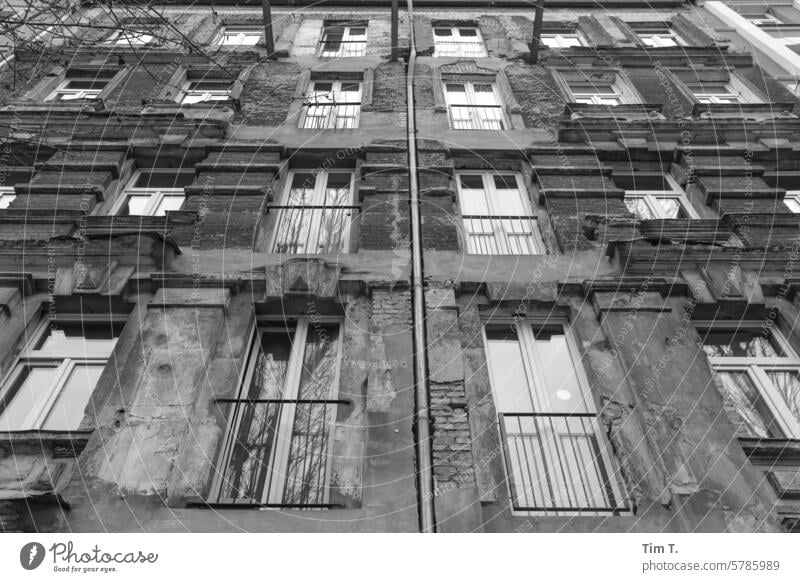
487 117
272 462
501 235
555 464
342 49
314 229
340 116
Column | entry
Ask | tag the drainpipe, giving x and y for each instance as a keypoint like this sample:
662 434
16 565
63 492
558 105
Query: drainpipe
427 521
395 27
269 40
537 33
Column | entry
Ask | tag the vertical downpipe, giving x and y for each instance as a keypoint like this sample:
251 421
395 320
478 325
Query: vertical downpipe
427 520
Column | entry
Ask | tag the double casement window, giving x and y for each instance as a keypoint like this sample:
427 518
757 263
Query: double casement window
596 93
657 35
343 40
138 36
153 193
204 90
765 19
75 87
316 214
474 105
558 40
497 216
596 87
557 459
719 92
277 451
791 199
51 383
331 105
239 35
758 374
653 196
7 196
458 41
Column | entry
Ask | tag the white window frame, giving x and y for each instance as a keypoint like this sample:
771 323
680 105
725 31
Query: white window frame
64 361
757 368
536 382
736 92
669 39
765 19
350 45
650 199
157 197
72 94
473 47
501 220
561 40
134 36
239 35
477 119
189 96
272 494
585 92
332 111
7 196
320 188
792 200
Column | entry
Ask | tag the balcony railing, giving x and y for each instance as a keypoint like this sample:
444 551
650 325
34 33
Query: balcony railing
341 116
314 229
501 235
278 454
488 117
556 464
342 49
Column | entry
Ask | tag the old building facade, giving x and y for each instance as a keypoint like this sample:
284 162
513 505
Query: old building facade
216 313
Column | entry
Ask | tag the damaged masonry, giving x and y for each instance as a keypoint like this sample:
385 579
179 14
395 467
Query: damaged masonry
389 267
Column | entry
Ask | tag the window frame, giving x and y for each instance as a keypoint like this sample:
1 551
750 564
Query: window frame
88 94
64 362
270 497
756 369
559 36
735 87
650 199
7 196
318 196
500 236
209 96
473 105
156 195
120 36
332 117
526 340
792 200
242 33
461 46
347 39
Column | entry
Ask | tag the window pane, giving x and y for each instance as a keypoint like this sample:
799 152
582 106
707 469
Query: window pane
745 406
508 377
741 343
68 410
84 338
306 477
169 203
249 461
639 208
670 207
788 385
137 205
22 406
562 390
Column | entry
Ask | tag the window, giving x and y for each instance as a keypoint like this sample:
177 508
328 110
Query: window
658 35
316 215
204 91
7 196
595 93
277 449
758 374
153 193
650 196
562 39
341 40
765 19
497 215
458 41
54 377
474 105
78 88
556 456
332 105
235 35
131 37
717 92
792 200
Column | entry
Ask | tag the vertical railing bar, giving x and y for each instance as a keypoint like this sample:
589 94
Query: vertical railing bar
544 459
523 437
581 467
507 451
606 478
556 440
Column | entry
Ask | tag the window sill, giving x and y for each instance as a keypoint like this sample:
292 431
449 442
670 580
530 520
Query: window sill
71 105
783 450
769 110
200 503
627 111
61 443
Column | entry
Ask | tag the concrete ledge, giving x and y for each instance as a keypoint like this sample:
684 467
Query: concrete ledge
166 297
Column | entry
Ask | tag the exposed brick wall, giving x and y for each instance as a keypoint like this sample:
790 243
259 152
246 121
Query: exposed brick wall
657 88
389 91
268 93
535 90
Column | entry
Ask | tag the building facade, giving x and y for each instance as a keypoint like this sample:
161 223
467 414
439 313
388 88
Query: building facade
217 312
